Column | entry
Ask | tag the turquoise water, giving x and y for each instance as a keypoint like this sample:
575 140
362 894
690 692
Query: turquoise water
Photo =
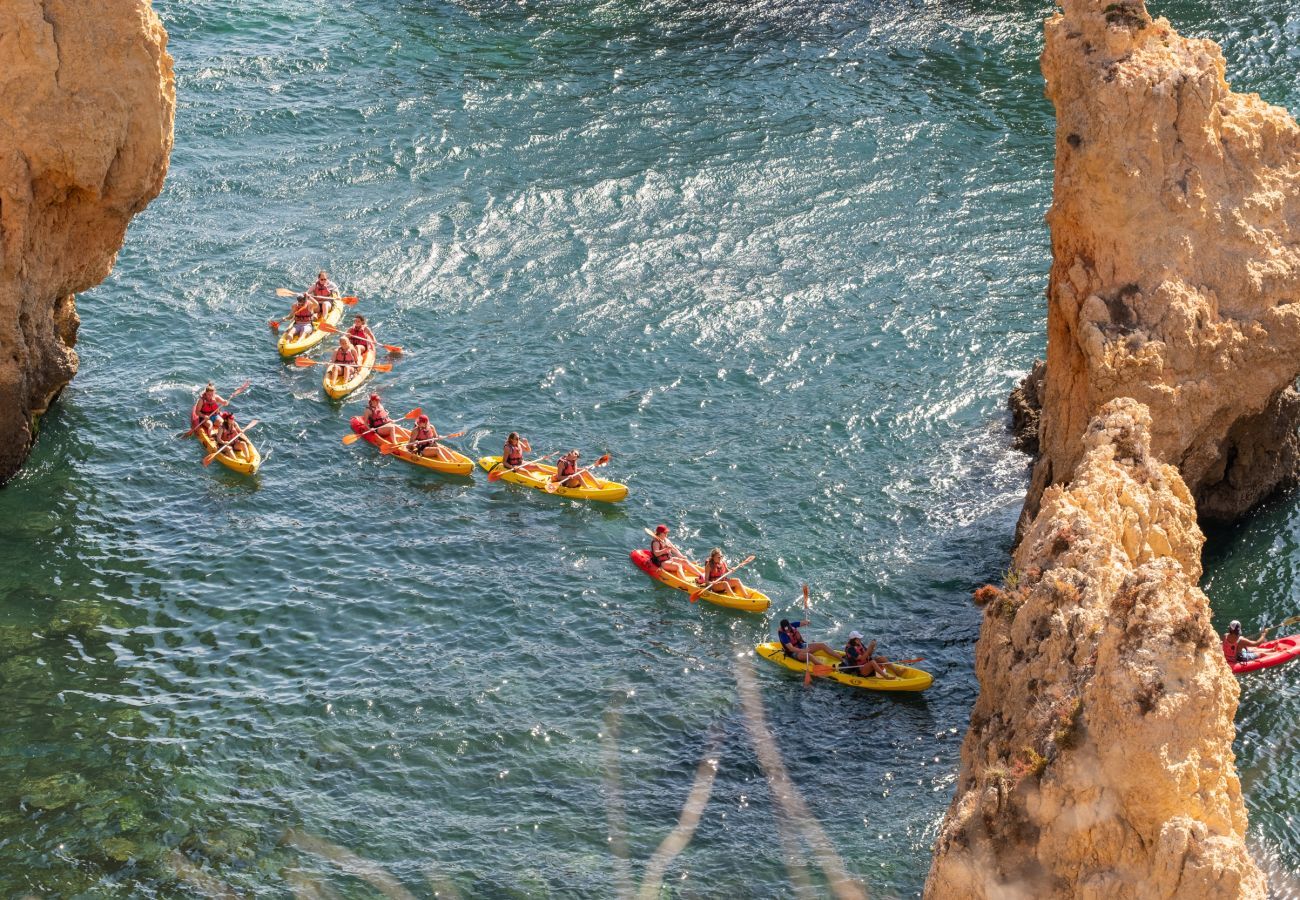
783 260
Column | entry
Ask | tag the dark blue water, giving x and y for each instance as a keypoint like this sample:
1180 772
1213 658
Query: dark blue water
782 260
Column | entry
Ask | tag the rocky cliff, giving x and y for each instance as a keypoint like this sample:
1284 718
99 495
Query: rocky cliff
86 104
1175 274
1099 759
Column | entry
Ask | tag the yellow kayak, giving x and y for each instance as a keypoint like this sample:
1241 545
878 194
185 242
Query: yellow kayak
754 601
246 462
340 389
461 465
605 491
291 346
909 680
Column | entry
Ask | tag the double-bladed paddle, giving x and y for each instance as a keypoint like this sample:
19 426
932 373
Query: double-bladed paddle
553 486
695 595
235 393
303 362
330 329
352 437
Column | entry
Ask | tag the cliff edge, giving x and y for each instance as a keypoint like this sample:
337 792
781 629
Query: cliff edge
86 107
1175 274
1099 759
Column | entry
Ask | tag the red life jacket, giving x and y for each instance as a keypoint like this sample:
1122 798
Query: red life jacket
513 455
361 338
346 357
1230 651
318 291
377 417
714 572
565 467
207 407
659 552
303 313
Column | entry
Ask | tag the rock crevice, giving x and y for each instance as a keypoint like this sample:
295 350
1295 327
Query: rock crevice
86 110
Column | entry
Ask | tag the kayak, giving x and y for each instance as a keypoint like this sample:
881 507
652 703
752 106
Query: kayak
605 491
1272 653
754 601
462 465
340 389
910 680
291 346
246 462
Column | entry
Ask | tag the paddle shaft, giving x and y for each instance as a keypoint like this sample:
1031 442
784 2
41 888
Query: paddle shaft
747 560
498 470
207 460
233 394
686 555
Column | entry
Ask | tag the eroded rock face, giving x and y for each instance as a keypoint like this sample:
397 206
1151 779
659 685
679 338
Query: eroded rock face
1175 277
1099 759
86 108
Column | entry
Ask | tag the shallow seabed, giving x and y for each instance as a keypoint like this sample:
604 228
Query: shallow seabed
783 260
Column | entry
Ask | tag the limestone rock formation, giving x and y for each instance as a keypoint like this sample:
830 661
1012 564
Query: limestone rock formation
86 106
1099 759
1175 274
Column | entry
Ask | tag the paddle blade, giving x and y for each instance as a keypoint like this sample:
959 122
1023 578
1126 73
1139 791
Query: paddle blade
327 328
303 362
350 301
414 414
285 292
396 351
351 438
494 475
822 671
552 487
383 367
600 462
807 676
387 449
275 326
239 390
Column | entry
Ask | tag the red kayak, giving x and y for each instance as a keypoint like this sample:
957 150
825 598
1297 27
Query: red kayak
1271 653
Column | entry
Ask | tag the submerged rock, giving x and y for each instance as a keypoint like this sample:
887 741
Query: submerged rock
87 102
1175 274
1099 759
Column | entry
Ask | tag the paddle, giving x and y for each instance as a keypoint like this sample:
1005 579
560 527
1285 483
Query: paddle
822 671
285 292
207 460
237 391
330 329
303 362
1282 624
684 554
808 657
497 471
352 437
695 595
390 448
553 486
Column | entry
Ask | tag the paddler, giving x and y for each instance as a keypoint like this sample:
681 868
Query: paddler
361 336
424 441
378 421
794 646
512 454
566 471
346 361
303 312
860 659
715 570
323 292
230 437
207 407
665 555
1236 648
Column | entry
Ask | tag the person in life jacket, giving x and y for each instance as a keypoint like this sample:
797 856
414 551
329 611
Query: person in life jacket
362 337
230 437
665 555
303 312
794 646
715 570
860 659
207 407
322 292
566 471
378 421
1237 649
424 441
345 363
512 454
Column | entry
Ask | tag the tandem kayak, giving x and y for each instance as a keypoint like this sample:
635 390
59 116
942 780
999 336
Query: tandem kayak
754 601
605 491
910 680
291 346
461 464
340 389
246 462
1272 653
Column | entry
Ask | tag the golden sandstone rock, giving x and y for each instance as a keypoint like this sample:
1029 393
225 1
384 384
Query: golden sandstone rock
1175 273
1099 763
1099 759
86 107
